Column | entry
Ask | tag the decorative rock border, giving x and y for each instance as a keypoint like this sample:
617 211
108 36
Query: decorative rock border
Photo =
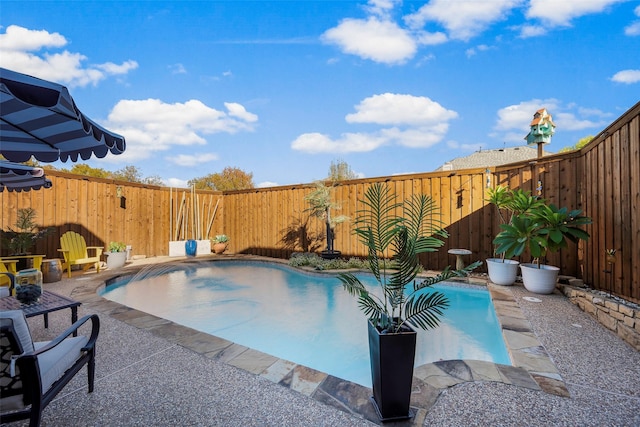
621 319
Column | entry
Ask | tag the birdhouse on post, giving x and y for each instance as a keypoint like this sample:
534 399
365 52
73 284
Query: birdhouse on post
542 128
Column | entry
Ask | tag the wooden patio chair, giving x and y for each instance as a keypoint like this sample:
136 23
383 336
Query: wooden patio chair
32 374
5 280
75 252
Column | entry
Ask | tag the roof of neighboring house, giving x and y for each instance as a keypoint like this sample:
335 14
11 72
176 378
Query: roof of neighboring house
487 158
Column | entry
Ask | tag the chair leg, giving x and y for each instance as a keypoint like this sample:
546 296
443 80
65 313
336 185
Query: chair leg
36 415
91 370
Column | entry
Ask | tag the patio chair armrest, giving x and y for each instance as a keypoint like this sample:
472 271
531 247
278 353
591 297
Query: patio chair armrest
98 249
95 329
12 280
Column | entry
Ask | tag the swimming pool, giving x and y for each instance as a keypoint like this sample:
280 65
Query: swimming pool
304 318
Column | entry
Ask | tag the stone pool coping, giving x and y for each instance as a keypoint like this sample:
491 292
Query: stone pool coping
532 367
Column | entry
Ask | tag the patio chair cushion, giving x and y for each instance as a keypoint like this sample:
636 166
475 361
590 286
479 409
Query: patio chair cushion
21 328
10 379
55 362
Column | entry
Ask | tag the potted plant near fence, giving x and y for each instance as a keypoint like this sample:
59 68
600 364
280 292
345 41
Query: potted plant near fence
512 202
540 230
27 233
220 243
116 255
399 232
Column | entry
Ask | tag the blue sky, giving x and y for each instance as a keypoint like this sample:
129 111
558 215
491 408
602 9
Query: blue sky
283 88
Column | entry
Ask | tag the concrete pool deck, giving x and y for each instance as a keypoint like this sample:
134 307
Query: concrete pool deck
151 371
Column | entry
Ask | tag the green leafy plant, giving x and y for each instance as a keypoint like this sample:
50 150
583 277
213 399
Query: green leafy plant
220 238
402 238
19 242
514 202
541 229
316 262
117 247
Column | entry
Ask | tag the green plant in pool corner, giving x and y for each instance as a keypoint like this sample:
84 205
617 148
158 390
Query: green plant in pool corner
116 247
402 238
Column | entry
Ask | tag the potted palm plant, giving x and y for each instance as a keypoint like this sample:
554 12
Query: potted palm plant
116 255
504 271
541 230
397 232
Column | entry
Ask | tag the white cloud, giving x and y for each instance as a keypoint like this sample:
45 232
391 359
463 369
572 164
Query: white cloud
474 50
178 69
348 143
378 40
424 137
430 39
176 182
152 125
424 122
400 109
19 39
527 31
266 184
237 110
626 76
462 22
633 29
513 121
560 13
20 50
381 8
191 160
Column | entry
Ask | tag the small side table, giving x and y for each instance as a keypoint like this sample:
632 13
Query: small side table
459 253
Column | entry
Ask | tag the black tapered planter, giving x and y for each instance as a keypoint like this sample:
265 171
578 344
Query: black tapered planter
392 358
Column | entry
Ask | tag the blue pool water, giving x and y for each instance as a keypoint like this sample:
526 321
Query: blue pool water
305 318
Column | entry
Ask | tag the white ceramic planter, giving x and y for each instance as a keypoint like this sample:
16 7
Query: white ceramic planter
539 280
177 248
502 272
116 259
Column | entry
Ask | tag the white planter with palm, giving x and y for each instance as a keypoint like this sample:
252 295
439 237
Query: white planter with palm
515 202
502 271
540 230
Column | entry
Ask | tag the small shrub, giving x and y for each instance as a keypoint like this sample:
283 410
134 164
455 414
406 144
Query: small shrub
316 262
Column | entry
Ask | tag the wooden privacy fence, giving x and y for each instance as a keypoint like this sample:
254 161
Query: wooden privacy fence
603 179
144 216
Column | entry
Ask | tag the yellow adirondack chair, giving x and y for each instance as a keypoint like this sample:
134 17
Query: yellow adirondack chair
75 252
5 282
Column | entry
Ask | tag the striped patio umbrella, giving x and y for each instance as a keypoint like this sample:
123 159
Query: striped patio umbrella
18 177
40 119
